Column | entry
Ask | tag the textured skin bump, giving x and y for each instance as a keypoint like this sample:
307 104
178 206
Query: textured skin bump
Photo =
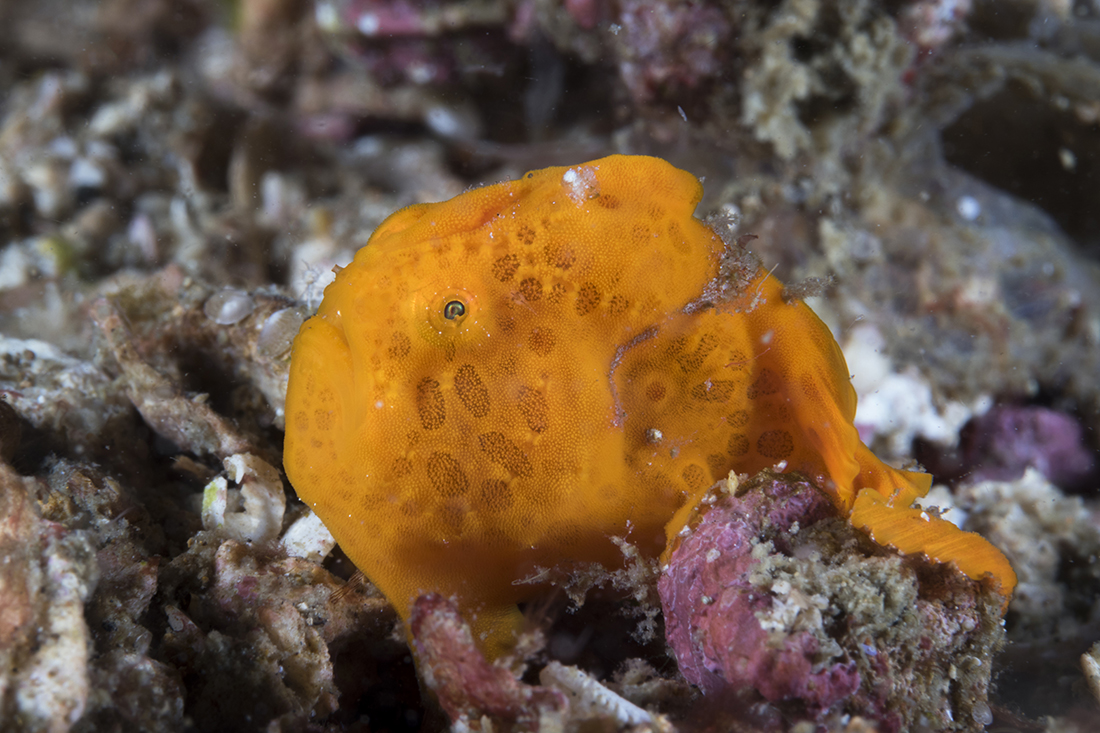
508 379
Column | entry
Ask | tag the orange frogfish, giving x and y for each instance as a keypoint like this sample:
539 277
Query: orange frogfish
509 379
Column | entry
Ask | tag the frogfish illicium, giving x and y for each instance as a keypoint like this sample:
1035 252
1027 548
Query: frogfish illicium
509 379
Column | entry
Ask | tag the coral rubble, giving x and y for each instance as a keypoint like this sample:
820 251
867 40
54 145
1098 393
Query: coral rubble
770 593
179 178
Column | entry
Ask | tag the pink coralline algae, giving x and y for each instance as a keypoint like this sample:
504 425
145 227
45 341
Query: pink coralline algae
669 48
467 685
708 589
770 598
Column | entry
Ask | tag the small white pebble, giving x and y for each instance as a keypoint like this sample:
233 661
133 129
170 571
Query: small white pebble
84 173
326 16
981 714
419 73
367 24
228 306
1067 159
278 332
452 122
968 208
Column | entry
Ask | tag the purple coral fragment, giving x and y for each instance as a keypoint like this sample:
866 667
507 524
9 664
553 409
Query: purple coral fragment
1005 441
711 608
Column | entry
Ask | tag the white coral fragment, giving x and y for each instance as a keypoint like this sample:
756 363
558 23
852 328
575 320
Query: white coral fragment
589 698
253 513
1031 520
308 538
943 502
1090 665
52 687
898 407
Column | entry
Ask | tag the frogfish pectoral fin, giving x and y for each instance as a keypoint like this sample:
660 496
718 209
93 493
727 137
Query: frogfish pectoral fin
912 530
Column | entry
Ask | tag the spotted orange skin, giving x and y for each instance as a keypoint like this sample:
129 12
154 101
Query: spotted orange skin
506 380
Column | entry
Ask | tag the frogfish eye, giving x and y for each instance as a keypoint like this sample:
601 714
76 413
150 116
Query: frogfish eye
447 316
454 309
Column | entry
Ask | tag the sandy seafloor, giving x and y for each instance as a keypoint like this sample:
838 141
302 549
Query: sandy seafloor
178 178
